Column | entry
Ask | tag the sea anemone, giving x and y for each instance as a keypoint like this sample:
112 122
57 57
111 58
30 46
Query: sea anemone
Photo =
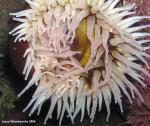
84 53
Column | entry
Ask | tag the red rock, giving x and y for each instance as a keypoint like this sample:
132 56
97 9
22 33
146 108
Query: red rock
16 52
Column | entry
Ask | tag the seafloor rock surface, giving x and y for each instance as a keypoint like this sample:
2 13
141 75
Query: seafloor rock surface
139 113
7 75
11 82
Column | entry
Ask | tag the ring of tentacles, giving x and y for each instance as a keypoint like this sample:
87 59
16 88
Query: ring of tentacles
83 52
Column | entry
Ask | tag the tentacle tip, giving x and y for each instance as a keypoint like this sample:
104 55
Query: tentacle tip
81 120
10 33
45 122
10 14
107 119
91 121
144 86
19 95
24 110
30 115
73 123
38 113
142 100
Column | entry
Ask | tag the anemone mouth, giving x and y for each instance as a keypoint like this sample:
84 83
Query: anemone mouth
81 52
